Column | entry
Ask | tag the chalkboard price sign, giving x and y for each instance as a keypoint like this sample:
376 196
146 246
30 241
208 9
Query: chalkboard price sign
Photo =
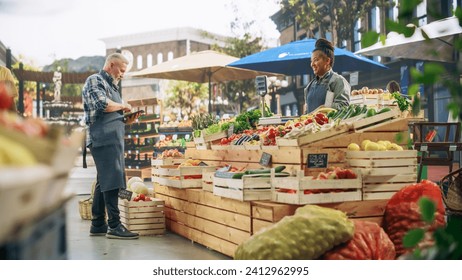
316 161
125 194
265 159
231 130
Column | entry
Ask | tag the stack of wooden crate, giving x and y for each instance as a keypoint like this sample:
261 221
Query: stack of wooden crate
384 172
143 217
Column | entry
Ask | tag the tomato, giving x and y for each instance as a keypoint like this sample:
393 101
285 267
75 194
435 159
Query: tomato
224 141
308 121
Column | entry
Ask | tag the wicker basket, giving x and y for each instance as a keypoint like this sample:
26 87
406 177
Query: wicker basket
85 208
85 204
451 189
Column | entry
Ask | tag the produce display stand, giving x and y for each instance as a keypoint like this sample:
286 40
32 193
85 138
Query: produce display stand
139 144
222 221
222 224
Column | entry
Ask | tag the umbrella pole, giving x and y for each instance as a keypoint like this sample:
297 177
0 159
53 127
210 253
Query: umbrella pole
209 73
210 98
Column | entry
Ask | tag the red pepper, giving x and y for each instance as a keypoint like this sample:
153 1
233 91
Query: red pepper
321 118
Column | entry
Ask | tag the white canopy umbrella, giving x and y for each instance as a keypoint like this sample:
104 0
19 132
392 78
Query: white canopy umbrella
200 67
438 46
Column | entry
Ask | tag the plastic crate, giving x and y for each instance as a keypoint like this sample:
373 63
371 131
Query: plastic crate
43 239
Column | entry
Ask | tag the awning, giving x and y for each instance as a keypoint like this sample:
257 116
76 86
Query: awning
439 46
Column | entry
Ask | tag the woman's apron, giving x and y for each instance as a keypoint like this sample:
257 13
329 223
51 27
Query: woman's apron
316 96
107 148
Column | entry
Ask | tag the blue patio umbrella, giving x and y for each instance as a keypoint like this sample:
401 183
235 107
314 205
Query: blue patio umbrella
294 59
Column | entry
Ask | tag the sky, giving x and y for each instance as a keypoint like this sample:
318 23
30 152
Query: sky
40 31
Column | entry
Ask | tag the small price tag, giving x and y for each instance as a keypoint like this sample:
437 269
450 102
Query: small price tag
452 148
265 159
231 130
316 161
162 137
423 148
125 194
187 136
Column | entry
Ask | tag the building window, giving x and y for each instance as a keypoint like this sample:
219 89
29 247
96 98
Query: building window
421 13
160 58
139 61
357 36
149 60
170 55
375 19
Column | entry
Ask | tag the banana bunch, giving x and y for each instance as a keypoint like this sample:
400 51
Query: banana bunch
14 154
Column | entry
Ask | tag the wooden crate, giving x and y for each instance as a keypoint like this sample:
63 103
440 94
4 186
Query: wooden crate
384 172
304 138
207 180
250 187
216 222
143 173
166 161
370 121
296 188
143 217
266 213
249 159
204 141
177 176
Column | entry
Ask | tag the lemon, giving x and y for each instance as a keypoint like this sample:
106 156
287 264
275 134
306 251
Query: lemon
363 144
381 147
353 147
394 147
381 142
372 146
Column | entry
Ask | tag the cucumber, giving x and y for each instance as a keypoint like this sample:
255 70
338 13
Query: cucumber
383 110
238 175
364 109
277 169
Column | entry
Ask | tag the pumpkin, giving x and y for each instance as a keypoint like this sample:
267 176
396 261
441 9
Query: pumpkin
402 213
369 242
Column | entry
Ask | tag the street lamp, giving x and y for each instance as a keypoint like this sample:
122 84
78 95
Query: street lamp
274 85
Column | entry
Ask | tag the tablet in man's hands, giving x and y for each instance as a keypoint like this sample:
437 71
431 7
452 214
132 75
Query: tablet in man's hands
129 115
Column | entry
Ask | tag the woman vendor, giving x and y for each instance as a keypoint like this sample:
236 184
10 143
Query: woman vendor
328 88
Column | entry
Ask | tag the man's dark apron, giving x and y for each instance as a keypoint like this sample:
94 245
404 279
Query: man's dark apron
107 148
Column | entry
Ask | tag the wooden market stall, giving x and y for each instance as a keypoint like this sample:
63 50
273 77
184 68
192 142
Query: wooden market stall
226 212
